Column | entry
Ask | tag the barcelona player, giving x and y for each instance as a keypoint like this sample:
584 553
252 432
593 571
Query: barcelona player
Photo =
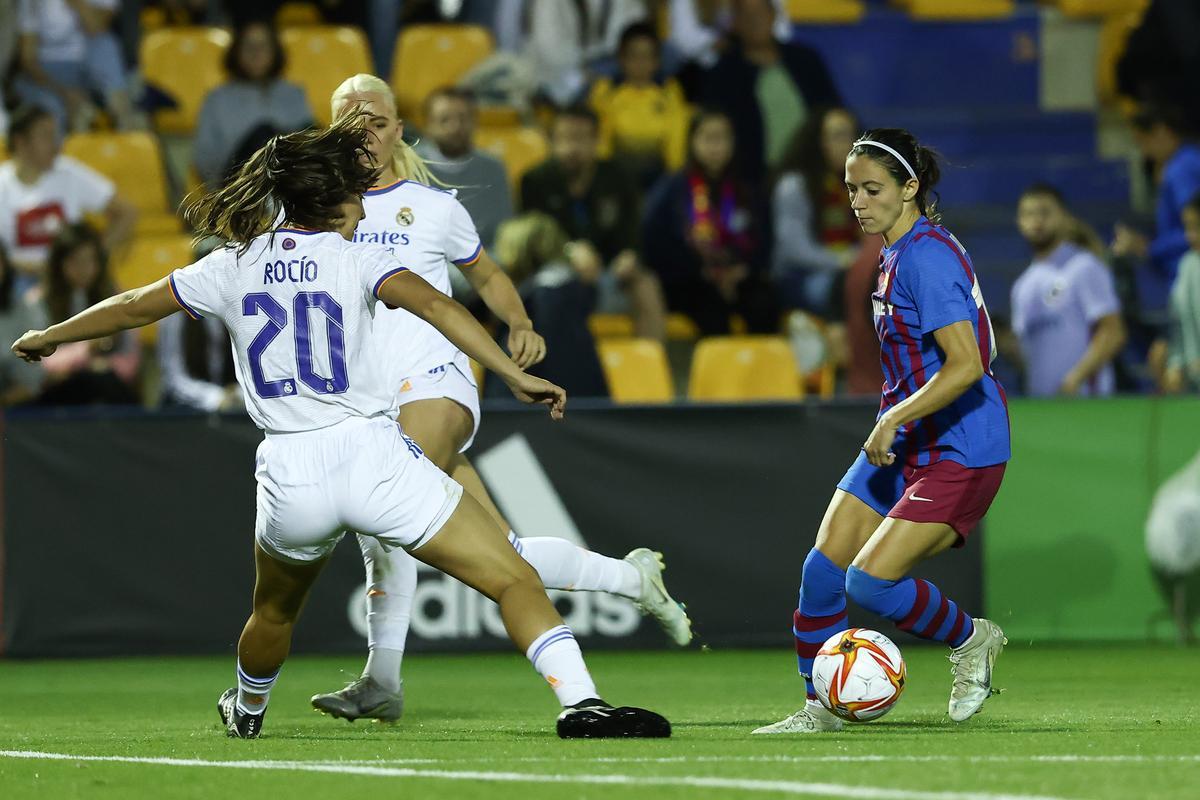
933 463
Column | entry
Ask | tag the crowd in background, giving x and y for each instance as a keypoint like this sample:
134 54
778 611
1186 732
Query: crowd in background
698 172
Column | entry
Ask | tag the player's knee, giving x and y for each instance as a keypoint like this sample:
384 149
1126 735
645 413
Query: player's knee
870 592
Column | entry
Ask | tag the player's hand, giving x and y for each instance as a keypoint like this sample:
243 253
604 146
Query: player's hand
1128 242
527 346
33 346
1070 385
1172 380
529 389
879 444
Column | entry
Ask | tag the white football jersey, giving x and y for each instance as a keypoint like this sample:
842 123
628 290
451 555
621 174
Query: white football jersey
426 229
299 307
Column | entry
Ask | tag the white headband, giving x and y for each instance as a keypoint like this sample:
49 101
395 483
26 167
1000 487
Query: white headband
887 149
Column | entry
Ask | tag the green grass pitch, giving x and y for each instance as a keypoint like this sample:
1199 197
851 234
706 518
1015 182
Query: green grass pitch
1074 722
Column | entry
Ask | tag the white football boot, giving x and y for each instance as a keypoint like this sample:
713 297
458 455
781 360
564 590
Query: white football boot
813 718
972 669
654 599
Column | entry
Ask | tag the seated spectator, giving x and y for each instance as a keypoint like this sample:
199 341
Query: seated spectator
84 373
449 151
19 381
1164 138
196 364
255 104
1182 372
42 190
816 233
643 119
1065 311
703 235
68 56
765 86
558 286
597 204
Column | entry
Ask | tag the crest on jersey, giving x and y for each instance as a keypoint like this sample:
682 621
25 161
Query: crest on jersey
289 244
405 216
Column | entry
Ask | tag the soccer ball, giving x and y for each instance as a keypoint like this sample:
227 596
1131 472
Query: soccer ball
859 674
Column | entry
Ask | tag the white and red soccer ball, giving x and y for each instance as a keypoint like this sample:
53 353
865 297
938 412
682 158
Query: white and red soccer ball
859 674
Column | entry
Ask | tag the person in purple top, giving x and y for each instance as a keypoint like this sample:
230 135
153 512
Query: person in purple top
1065 310
1163 136
933 463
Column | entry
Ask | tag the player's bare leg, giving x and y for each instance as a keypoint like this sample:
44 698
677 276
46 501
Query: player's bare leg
877 581
280 589
473 549
847 525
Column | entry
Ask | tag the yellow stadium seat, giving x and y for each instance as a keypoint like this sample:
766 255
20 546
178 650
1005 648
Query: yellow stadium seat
499 117
319 58
429 57
147 259
1114 35
957 9
610 326
1098 8
294 15
519 148
825 11
133 161
681 328
186 63
636 370
740 368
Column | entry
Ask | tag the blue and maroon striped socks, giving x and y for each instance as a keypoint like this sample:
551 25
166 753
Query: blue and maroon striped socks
822 611
915 605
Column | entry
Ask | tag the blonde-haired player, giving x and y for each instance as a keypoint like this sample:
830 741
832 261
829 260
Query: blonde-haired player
428 228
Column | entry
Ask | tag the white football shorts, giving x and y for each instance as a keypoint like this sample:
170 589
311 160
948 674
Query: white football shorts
362 474
453 381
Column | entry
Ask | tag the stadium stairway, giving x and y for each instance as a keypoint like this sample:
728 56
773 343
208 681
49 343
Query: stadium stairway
970 89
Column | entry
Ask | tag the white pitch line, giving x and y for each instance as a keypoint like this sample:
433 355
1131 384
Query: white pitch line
832 759
781 787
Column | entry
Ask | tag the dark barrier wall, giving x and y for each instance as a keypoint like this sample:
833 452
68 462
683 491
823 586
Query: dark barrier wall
133 535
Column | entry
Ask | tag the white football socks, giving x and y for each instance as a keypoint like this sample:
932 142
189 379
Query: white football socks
253 693
391 585
563 565
557 658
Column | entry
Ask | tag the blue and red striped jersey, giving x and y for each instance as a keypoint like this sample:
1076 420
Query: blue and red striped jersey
926 282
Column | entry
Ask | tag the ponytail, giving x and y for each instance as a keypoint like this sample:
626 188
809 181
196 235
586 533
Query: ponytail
307 175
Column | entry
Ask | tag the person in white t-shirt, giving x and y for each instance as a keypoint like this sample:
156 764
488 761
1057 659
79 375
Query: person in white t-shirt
428 229
42 190
69 54
301 304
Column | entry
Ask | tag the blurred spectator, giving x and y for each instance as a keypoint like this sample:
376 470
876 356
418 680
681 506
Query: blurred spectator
255 104
42 190
703 235
863 373
19 381
1163 136
1182 372
558 285
816 233
68 55
196 364
8 36
643 119
1065 311
448 149
552 48
82 373
767 87
597 204
1161 58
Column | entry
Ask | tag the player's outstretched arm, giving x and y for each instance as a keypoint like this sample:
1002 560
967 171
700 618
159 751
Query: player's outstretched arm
410 291
502 299
121 312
